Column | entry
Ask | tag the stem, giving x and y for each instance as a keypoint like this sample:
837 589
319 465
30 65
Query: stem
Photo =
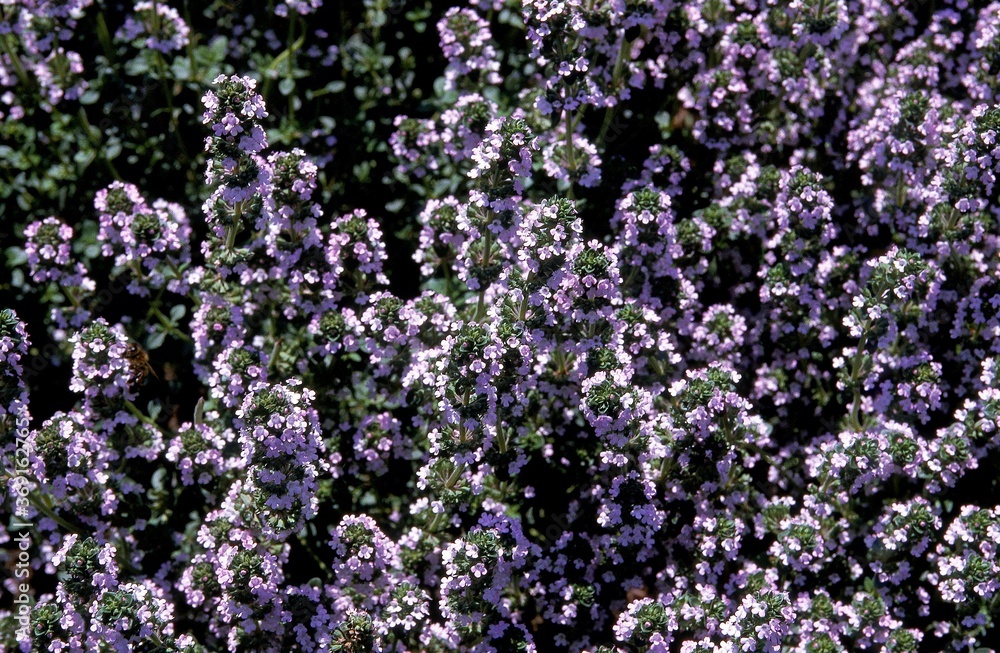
15 60
168 92
178 273
142 417
291 65
156 18
501 438
950 222
455 475
48 512
73 299
615 75
161 68
433 524
96 142
231 234
820 9
104 36
480 306
487 252
608 119
856 364
570 154
171 329
189 48
449 484
136 269
275 351
522 312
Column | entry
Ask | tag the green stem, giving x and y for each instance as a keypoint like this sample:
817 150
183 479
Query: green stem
189 48
15 60
96 142
142 417
856 363
161 67
522 312
231 234
171 328
433 524
275 351
48 512
453 478
42 507
291 66
900 191
501 439
104 36
73 299
156 18
487 255
615 80
178 273
570 153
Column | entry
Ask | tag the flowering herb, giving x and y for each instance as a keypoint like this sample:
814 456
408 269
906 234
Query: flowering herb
500 326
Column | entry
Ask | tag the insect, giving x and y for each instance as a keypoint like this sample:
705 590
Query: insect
138 361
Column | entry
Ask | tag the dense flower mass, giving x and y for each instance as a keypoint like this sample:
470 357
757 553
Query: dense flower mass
161 25
500 326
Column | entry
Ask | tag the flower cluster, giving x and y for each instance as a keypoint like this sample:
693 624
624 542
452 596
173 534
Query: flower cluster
48 246
101 367
465 42
156 26
281 451
13 358
152 241
233 114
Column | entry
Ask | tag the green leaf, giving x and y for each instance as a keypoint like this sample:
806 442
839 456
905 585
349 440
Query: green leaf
199 412
16 256
218 48
441 187
181 68
160 475
90 97
113 149
137 67
336 86
177 312
155 341
286 86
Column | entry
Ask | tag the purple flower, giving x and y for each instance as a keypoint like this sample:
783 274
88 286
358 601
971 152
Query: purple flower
162 26
101 368
279 435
